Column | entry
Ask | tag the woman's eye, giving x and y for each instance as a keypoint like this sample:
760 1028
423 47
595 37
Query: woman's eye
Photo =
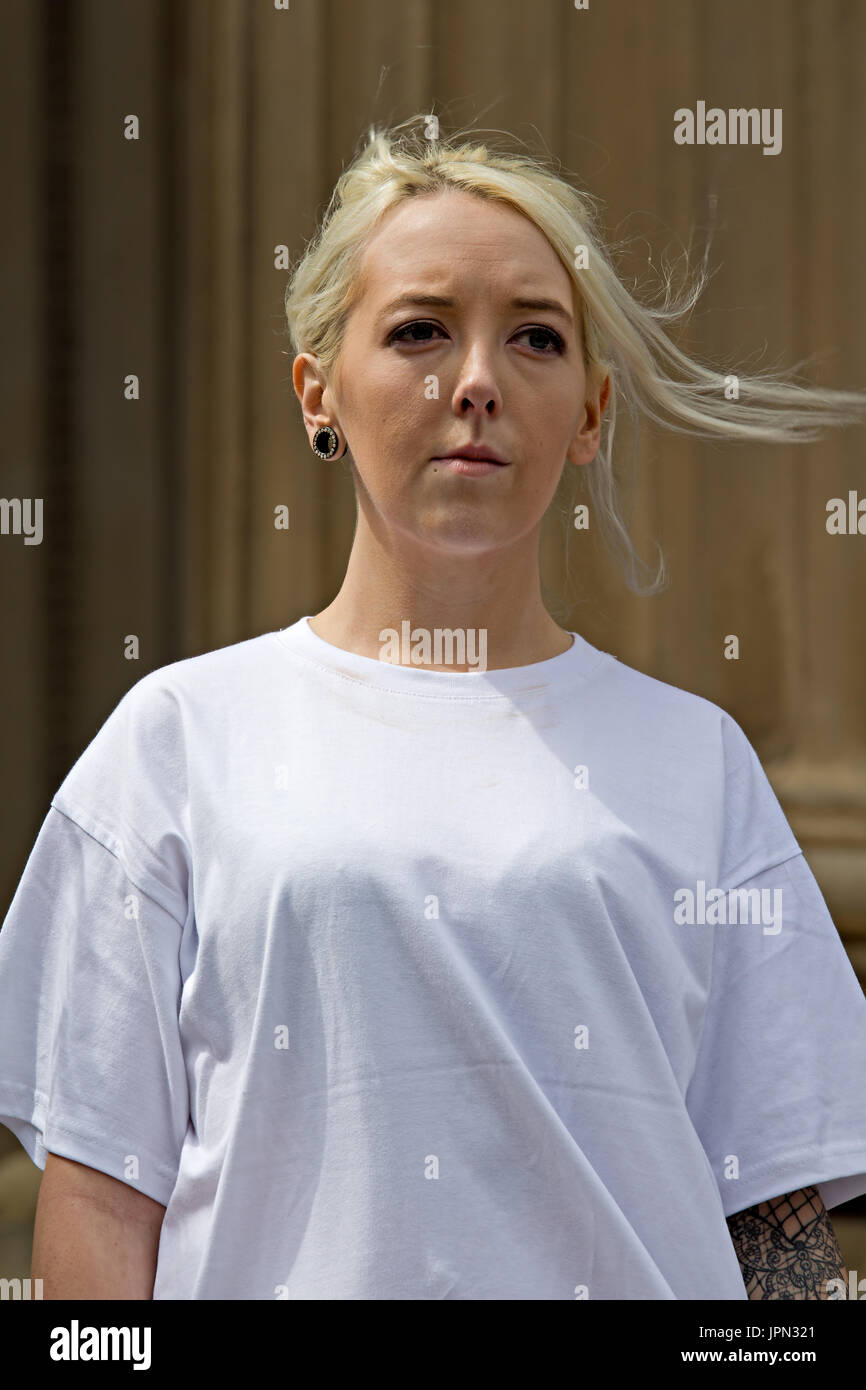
550 338
407 327
548 333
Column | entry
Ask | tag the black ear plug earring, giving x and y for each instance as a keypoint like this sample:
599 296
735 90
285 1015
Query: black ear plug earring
326 441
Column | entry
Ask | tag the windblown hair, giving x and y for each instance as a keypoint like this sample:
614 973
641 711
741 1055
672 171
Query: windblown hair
623 338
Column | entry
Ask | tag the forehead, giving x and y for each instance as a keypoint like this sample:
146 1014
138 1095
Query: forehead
450 236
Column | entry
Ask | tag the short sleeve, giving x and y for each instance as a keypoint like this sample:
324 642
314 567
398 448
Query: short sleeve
91 1061
755 830
777 1095
129 790
91 1066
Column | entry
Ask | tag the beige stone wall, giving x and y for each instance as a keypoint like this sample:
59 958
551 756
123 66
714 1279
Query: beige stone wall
157 257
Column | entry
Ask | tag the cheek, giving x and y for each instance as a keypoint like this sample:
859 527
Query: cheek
403 417
382 406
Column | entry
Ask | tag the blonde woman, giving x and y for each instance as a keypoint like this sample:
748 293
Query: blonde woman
420 949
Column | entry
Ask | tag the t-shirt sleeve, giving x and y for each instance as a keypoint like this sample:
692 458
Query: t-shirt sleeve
777 1095
91 1062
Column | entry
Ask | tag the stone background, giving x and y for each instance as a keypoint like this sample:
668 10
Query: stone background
158 256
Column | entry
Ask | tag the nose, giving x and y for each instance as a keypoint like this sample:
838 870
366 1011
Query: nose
476 387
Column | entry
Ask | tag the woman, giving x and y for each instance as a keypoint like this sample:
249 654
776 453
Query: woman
420 949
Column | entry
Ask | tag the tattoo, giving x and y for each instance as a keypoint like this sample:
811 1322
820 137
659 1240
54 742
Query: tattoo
787 1247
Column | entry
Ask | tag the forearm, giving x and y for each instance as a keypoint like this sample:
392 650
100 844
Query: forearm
787 1247
94 1237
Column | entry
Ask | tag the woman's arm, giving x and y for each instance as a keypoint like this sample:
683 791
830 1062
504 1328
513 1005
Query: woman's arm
94 1237
787 1247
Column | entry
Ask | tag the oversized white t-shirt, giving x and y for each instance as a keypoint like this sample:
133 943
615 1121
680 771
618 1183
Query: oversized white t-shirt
394 983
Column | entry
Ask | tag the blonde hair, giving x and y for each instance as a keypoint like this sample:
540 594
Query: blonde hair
623 338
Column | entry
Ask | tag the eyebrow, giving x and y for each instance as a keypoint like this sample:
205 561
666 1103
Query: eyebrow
438 301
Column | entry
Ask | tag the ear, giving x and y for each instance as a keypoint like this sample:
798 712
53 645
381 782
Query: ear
584 446
311 389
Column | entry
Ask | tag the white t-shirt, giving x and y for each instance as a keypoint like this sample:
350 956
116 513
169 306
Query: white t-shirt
381 979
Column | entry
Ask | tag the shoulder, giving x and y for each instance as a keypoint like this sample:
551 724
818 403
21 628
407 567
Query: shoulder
166 702
207 675
147 735
658 714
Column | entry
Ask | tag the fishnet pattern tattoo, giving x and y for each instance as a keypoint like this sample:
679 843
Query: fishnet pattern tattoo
787 1247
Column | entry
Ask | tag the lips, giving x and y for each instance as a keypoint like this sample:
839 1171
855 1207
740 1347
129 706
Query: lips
475 453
